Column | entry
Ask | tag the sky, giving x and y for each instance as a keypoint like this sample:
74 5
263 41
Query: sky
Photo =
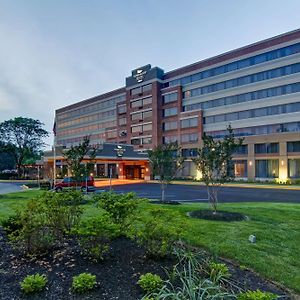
56 52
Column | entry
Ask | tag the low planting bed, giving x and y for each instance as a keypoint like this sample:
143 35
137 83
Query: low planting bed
113 239
220 215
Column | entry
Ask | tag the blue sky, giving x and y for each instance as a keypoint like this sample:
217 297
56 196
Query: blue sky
56 52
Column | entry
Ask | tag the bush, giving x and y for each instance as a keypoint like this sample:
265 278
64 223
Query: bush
83 282
33 283
150 283
12 223
257 295
45 220
218 272
119 206
95 235
158 231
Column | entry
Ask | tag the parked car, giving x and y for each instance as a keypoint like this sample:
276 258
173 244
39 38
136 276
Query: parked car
71 183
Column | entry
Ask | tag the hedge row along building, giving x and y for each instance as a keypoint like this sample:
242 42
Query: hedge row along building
255 88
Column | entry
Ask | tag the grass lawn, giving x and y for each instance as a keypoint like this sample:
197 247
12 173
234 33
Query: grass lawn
276 255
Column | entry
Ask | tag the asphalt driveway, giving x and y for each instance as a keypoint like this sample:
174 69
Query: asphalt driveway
10 187
197 193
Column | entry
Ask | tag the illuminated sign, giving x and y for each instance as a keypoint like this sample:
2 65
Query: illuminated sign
140 75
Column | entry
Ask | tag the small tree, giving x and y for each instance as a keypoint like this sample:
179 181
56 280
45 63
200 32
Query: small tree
214 161
23 138
76 154
165 161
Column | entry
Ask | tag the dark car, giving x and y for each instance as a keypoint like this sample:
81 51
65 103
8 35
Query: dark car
85 184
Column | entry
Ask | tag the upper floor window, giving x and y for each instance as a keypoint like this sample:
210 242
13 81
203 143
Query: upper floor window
122 109
170 112
189 138
170 97
141 89
122 121
266 148
293 146
170 125
187 123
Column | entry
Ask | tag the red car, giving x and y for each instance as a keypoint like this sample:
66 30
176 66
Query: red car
71 183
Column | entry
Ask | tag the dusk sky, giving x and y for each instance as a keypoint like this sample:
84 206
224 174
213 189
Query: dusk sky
57 52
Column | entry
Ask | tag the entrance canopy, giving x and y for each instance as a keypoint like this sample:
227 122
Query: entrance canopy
120 160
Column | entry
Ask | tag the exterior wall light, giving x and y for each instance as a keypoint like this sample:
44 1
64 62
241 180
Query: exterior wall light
250 163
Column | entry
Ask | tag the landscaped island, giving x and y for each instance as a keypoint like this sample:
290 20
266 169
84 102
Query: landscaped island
111 245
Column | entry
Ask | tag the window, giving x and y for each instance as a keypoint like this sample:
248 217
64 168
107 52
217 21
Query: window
266 148
135 129
147 140
170 139
266 168
170 125
136 141
240 168
122 109
187 123
137 103
142 115
189 138
136 91
293 146
170 112
243 149
122 121
147 88
294 168
170 98
193 152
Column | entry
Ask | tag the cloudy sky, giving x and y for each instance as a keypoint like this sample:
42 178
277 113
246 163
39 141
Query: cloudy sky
56 52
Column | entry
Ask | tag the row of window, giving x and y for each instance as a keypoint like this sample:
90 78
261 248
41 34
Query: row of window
91 108
142 141
293 146
141 89
240 64
96 117
111 134
189 138
141 102
266 148
258 130
170 97
141 115
270 74
261 94
141 128
73 141
168 112
186 123
107 125
254 113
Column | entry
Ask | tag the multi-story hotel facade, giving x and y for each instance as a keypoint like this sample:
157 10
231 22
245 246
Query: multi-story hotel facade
255 88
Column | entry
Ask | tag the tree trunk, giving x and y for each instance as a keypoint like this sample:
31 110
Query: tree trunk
19 171
212 193
163 193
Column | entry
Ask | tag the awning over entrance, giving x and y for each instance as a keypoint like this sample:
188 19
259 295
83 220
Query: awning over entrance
118 160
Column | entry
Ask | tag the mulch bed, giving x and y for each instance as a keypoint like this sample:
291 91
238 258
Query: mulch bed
116 275
220 215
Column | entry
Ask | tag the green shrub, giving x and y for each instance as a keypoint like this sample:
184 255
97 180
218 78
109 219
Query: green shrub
158 232
12 223
257 295
83 283
150 283
95 235
121 207
33 283
218 272
45 220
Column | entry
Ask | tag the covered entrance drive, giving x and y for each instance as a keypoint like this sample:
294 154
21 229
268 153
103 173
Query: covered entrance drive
111 161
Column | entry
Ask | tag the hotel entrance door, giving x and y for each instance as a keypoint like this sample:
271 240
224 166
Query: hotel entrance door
133 172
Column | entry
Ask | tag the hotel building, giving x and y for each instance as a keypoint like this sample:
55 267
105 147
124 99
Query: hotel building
255 88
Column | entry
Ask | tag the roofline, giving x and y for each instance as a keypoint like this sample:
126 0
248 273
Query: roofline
92 99
279 39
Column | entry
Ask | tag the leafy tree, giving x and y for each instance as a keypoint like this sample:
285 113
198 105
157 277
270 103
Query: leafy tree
22 137
7 160
165 161
75 155
214 161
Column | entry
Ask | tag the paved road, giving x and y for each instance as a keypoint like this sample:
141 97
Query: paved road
9 187
194 193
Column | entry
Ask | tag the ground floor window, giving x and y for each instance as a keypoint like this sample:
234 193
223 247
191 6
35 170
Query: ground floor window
266 168
294 168
100 170
240 168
